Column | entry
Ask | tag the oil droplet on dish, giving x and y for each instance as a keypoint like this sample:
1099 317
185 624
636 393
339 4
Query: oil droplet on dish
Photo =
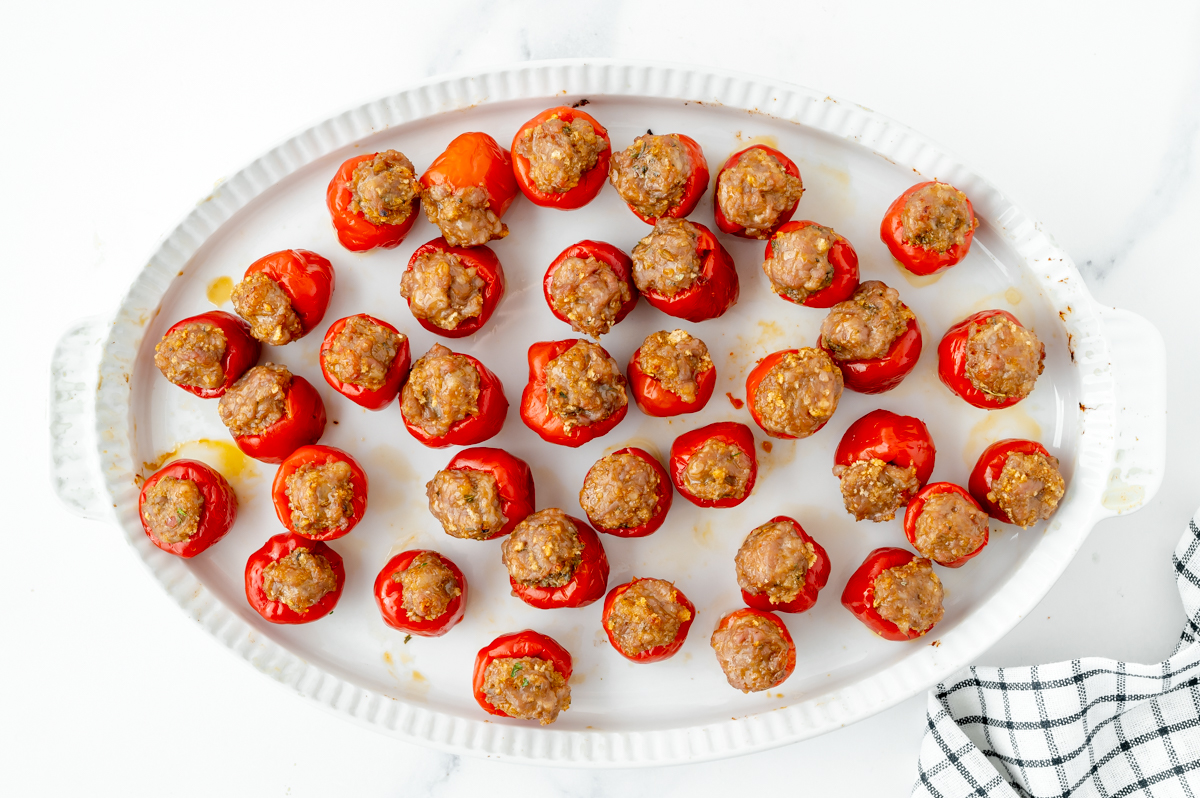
1012 422
738 404
219 290
417 676
917 280
1013 296
224 456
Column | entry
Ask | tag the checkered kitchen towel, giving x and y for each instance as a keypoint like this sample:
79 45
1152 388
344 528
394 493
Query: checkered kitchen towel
1084 727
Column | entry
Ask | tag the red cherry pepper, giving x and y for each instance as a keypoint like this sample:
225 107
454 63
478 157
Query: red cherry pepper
306 278
723 223
989 467
527 643
302 423
389 597
487 268
883 435
687 444
475 159
586 585
318 456
217 514
535 408
859 595
514 482
713 292
661 507
604 252
842 258
783 631
273 551
590 182
754 382
655 399
881 374
815 579
952 362
241 349
917 506
354 230
487 423
917 259
657 653
393 379
693 189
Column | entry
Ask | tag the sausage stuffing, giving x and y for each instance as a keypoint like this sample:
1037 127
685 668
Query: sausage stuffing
1029 488
651 175
584 386
799 393
267 308
559 153
950 527
528 688
466 502
442 389
666 261
299 580
620 492
867 324
172 509
1003 359
256 401
717 471
588 293
676 360
191 355
648 614
874 490
543 550
774 560
428 586
756 191
462 214
362 352
910 596
383 188
937 217
321 497
753 653
441 290
799 264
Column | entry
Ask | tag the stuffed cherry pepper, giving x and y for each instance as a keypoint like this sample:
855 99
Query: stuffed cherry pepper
185 507
422 593
715 466
365 360
560 158
758 190
627 493
681 269
647 620
793 393
452 400
481 494
270 413
555 560
373 200
660 176
284 295
468 188
1017 482
292 579
671 373
576 392
206 354
990 360
590 286
780 567
525 675
810 265
754 649
452 291
319 492
895 594
882 461
945 524
929 227
873 337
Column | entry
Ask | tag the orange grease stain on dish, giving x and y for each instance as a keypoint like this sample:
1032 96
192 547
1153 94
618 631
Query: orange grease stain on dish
418 676
1012 422
738 404
704 535
224 456
219 290
917 280
770 333
767 446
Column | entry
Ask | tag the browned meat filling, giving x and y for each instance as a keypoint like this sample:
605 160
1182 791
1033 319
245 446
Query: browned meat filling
874 490
676 360
321 497
362 352
646 615
774 560
299 580
172 509
756 191
559 153
1003 359
1029 488
256 401
429 586
937 217
528 688
584 386
543 550
191 355
867 324
462 214
651 174
466 502
384 188
443 291
442 390
666 262
263 304
799 263
950 527
910 596
589 293
620 492
752 652
717 471
799 393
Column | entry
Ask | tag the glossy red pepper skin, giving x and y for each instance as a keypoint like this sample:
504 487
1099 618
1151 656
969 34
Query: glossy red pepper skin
586 585
535 409
355 232
389 597
604 252
303 423
881 374
665 497
917 259
859 595
687 444
715 291
694 188
493 409
514 482
527 643
989 467
318 456
307 279
216 516
842 257
276 549
816 578
754 382
902 441
241 349
917 506
657 653
952 362
590 182
475 159
655 399
783 630
393 380
487 268
723 223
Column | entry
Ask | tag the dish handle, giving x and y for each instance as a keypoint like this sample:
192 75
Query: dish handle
74 380
1139 364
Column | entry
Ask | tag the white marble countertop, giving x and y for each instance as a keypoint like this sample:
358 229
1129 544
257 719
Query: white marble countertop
1092 122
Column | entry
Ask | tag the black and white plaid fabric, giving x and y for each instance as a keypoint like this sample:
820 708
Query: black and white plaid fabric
1084 727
